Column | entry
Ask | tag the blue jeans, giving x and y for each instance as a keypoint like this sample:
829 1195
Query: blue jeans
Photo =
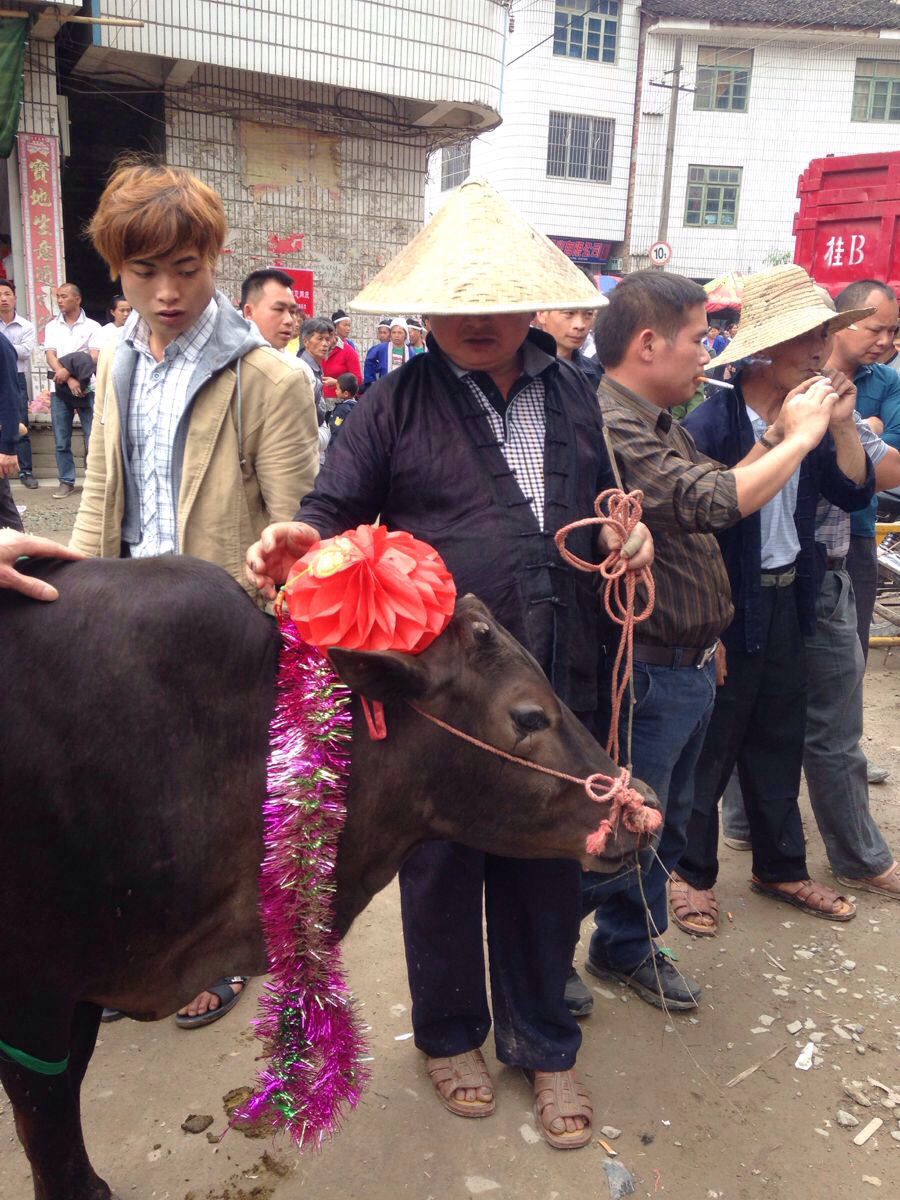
23 449
672 709
62 417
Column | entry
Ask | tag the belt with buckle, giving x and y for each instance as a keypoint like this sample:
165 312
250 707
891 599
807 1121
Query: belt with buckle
778 579
667 656
835 563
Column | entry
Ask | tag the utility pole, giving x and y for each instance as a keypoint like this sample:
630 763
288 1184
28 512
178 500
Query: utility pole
670 146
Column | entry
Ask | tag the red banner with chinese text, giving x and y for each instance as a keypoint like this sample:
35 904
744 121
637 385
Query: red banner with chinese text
42 223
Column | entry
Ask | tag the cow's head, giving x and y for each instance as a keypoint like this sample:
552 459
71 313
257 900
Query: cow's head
477 677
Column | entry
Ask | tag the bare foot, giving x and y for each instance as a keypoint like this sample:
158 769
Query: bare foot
206 1002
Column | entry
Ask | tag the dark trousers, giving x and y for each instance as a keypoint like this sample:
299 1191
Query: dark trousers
532 909
758 724
23 449
672 708
862 567
9 514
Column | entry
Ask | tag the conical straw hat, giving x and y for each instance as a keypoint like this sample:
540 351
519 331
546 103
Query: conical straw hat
477 255
779 304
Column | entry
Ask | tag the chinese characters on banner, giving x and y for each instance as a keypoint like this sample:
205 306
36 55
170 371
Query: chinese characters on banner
302 288
588 250
42 221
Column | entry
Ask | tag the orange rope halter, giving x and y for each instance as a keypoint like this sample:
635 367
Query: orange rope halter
623 514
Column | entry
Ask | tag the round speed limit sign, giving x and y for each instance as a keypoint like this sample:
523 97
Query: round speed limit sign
660 253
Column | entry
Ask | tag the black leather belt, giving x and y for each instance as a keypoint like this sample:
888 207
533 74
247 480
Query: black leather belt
666 656
835 564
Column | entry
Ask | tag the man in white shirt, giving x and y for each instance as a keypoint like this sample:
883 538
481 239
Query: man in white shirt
65 334
20 332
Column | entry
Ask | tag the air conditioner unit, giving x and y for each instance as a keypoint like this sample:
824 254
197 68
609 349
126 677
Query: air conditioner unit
614 264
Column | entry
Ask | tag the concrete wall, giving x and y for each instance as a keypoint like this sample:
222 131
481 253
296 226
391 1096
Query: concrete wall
355 200
800 101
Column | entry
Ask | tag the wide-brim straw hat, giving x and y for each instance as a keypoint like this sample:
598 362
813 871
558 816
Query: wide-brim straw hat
477 255
779 304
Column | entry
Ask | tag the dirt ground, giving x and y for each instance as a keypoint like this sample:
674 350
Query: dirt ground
684 1134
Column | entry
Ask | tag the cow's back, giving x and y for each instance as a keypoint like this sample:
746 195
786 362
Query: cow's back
134 716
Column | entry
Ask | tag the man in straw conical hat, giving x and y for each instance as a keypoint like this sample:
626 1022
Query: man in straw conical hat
759 720
483 447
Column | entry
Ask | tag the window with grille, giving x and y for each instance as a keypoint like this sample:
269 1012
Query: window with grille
580 147
455 164
587 29
723 78
876 90
712 196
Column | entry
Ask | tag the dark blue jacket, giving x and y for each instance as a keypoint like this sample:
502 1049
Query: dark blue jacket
721 428
9 398
419 452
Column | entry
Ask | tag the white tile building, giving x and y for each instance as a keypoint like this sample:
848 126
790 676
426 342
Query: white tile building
764 87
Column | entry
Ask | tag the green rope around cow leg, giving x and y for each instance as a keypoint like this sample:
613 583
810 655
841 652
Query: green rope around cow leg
39 1065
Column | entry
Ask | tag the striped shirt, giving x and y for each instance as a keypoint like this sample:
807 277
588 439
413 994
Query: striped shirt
519 425
832 523
687 498
159 394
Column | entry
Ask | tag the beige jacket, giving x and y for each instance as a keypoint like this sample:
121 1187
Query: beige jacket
226 494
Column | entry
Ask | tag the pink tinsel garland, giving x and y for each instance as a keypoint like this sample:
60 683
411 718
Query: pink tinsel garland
314 1044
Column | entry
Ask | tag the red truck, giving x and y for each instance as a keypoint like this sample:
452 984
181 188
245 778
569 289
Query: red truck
848 225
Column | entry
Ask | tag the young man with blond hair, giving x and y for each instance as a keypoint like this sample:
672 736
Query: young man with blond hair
204 434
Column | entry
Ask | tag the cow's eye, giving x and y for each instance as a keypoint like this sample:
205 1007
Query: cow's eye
481 630
530 717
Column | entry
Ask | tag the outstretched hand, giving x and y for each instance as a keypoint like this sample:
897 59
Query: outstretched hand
15 545
270 559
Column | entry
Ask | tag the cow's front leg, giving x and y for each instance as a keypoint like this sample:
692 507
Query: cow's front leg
47 1112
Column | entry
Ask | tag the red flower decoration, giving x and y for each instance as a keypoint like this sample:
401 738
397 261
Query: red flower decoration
370 589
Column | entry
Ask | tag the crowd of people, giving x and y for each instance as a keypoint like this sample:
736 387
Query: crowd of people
243 434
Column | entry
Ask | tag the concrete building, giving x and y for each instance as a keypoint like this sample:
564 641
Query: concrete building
594 151
314 123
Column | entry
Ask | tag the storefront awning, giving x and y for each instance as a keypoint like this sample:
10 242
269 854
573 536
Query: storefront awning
13 32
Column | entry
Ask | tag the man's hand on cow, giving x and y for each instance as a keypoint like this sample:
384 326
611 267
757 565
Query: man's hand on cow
9 466
13 546
638 550
270 559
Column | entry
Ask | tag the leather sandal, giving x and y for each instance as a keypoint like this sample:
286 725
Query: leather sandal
887 884
462 1071
557 1095
814 898
686 902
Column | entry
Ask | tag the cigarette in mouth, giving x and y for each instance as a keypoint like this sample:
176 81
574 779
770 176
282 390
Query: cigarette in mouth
716 382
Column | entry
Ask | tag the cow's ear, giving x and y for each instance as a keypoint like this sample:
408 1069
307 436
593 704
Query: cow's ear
381 674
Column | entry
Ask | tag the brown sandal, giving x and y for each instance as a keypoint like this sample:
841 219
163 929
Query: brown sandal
687 902
886 884
557 1095
462 1071
814 898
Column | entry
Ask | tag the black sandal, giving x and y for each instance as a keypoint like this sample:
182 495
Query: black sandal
227 1000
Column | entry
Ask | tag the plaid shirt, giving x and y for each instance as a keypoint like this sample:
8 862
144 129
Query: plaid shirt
159 394
832 523
519 427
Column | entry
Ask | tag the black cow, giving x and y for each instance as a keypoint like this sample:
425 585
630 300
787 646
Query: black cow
132 774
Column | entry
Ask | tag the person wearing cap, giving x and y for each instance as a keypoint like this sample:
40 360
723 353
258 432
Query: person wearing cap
484 447
651 343
759 718
342 323
382 333
416 331
569 328
389 355
340 359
